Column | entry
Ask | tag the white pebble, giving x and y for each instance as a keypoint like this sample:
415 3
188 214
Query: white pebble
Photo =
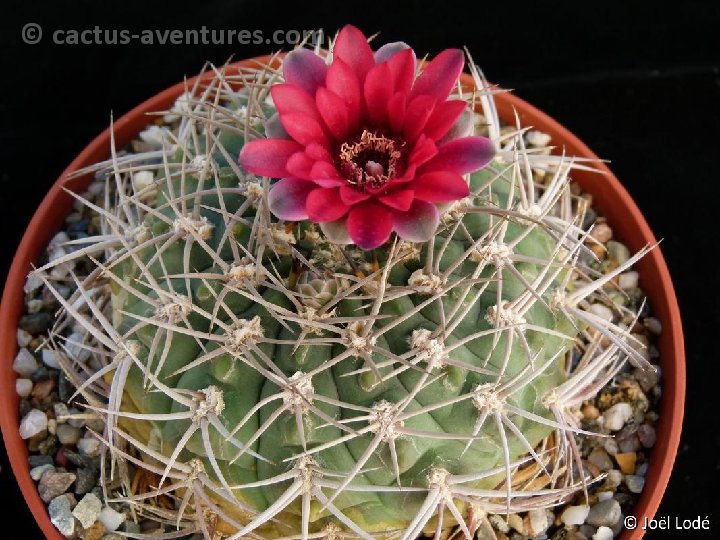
616 416
604 495
59 239
628 280
537 138
142 180
32 283
112 519
23 387
25 363
602 311
575 515
34 306
34 422
603 533
89 447
36 473
23 338
88 510
537 521
51 358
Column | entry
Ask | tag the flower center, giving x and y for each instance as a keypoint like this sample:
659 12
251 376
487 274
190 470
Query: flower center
370 161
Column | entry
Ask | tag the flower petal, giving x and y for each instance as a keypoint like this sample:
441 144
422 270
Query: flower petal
418 112
423 151
396 111
333 110
289 98
303 129
342 80
274 128
440 186
402 67
325 204
387 51
377 92
440 75
287 198
304 68
267 157
369 225
400 200
419 223
352 47
443 118
352 196
336 232
318 152
462 156
299 165
325 174
463 127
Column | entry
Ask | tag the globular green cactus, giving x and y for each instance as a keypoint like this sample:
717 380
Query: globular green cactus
282 385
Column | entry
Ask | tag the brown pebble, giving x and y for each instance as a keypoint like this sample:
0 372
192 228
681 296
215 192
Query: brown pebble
94 532
646 434
590 412
626 461
602 233
42 389
54 484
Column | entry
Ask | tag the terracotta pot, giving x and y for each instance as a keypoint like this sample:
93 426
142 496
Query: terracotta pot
609 197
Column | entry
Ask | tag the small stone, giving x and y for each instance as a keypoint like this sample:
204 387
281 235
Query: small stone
634 483
23 387
575 515
32 283
53 484
499 523
36 473
86 480
647 378
89 447
81 460
51 358
76 349
653 325
112 536
25 363
33 423
36 461
536 522
616 416
587 530
95 532
23 338
611 446
112 519
602 233
590 412
34 305
641 470
603 533
631 443
36 323
68 434
88 510
604 495
600 458
65 388
42 389
60 410
60 511
602 311
626 462
516 522
604 514
537 138
628 280
618 252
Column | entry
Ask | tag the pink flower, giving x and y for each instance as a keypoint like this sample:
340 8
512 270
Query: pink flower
365 148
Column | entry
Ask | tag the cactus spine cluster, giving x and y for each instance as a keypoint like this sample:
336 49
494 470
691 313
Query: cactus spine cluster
278 385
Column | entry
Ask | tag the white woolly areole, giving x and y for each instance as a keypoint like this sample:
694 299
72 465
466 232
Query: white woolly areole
492 251
245 331
355 340
211 403
298 396
187 226
383 420
437 478
432 350
503 316
174 309
242 272
200 166
425 283
486 398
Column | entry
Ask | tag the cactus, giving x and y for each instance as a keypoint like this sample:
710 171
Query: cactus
277 383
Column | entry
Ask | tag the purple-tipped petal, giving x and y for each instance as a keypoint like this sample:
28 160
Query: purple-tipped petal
336 232
462 156
267 157
369 225
304 68
463 127
274 128
325 204
419 223
287 198
440 75
444 117
352 47
384 53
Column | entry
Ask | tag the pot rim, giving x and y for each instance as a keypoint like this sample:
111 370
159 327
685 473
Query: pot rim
609 196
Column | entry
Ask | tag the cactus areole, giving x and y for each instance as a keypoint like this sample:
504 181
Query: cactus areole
338 312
